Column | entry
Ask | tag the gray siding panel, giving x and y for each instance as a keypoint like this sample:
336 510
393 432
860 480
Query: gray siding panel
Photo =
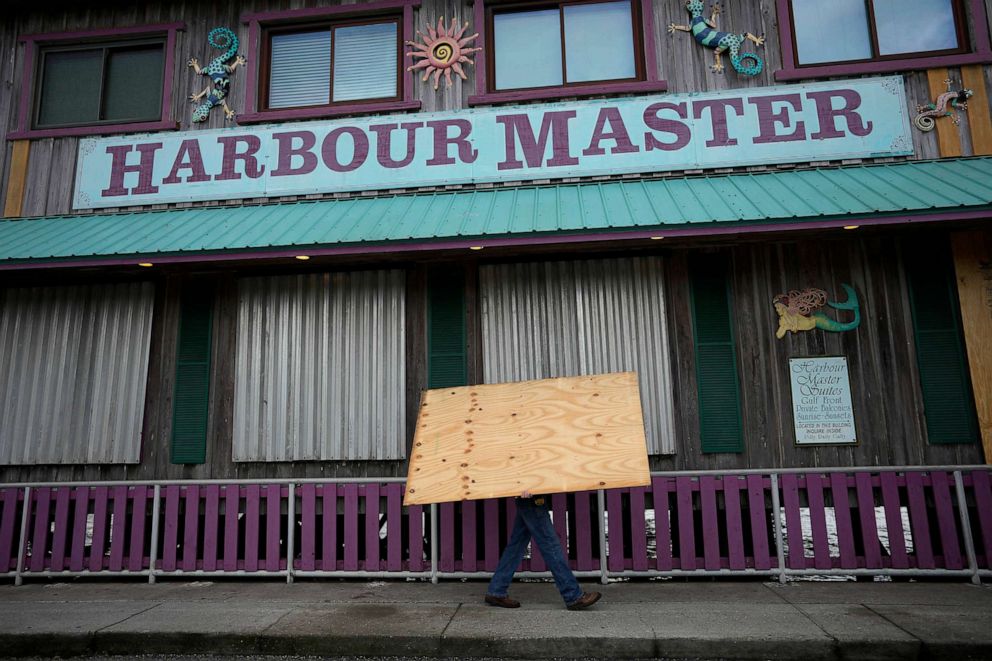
569 318
320 367
73 369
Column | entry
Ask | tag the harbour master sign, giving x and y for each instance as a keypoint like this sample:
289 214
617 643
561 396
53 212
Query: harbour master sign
820 121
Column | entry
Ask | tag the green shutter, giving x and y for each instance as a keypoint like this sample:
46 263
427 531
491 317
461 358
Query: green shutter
447 363
717 382
190 404
940 354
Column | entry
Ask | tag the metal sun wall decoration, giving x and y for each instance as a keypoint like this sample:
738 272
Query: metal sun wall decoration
799 310
443 51
944 106
704 31
219 72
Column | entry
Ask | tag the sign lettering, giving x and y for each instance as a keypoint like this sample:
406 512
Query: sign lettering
798 123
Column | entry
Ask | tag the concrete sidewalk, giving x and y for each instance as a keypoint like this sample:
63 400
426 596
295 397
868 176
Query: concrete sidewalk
668 619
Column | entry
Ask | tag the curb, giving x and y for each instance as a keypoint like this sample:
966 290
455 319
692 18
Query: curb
181 643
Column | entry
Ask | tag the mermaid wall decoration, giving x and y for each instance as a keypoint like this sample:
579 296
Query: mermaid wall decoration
799 310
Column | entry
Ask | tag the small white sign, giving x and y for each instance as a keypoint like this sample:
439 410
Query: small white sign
821 401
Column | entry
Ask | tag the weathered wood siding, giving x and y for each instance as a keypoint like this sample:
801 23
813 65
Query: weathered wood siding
888 406
885 390
683 63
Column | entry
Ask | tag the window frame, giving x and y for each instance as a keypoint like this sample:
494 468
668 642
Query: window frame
971 23
106 47
36 45
261 25
645 55
265 59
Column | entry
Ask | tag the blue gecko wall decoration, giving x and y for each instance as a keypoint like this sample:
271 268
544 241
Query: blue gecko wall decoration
219 72
704 31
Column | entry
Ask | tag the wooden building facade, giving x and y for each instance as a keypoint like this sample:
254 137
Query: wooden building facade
267 296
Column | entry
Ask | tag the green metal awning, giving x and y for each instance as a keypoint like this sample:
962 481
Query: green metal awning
739 202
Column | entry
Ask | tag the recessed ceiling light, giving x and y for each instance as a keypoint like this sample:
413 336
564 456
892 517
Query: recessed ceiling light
303 258
657 238
145 264
475 247
851 227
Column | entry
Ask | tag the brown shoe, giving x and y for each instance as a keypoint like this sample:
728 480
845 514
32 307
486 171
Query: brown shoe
585 601
502 602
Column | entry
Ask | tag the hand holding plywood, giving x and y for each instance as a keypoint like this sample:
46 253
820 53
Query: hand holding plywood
548 436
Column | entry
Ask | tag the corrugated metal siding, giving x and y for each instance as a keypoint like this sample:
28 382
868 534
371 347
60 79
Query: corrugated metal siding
549 319
320 367
948 185
73 369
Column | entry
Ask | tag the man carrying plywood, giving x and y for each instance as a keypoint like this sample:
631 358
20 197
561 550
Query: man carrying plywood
529 439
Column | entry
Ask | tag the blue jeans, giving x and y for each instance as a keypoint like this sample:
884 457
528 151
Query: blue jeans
533 521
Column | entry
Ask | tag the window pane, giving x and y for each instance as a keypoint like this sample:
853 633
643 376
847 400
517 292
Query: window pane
299 72
914 26
131 96
528 49
831 31
365 62
70 87
599 43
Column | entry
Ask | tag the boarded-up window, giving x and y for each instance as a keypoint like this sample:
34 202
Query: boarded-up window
73 368
320 367
570 318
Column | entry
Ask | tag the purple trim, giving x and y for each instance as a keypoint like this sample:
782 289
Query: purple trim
982 53
31 41
254 20
710 229
636 87
27 91
251 70
652 82
408 36
321 12
327 111
100 129
883 66
651 73
106 32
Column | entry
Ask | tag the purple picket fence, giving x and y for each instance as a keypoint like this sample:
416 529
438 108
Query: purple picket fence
683 523
888 520
871 521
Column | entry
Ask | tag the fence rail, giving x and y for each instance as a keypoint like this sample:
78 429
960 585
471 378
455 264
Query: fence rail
919 520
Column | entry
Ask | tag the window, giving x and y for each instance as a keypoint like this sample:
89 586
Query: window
567 44
332 63
876 36
326 61
321 367
548 50
875 29
74 366
100 81
99 85
546 319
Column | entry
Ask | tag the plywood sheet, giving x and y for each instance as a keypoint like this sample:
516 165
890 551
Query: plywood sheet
972 255
547 436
